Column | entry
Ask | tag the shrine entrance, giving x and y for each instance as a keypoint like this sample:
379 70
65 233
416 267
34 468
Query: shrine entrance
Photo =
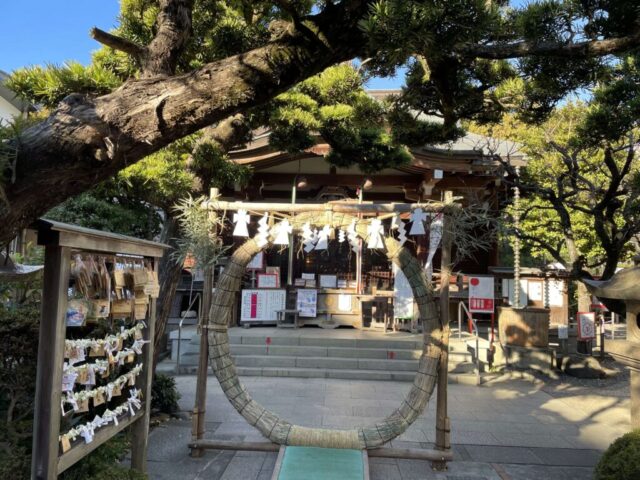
363 224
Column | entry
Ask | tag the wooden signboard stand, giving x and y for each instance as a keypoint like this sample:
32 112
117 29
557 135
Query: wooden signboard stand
61 241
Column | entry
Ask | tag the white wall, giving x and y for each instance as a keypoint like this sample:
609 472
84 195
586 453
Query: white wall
7 111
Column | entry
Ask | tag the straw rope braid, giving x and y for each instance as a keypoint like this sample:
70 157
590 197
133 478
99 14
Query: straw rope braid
284 433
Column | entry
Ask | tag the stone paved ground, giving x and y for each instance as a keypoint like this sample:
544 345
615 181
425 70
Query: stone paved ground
507 430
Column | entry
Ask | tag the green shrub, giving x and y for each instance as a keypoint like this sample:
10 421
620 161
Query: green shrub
104 463
164 394
18 358
19 325
621 461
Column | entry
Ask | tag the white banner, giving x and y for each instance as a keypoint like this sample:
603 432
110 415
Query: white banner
435 236
402 295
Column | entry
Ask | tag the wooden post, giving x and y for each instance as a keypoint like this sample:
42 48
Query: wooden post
44 462
199 409
140 429
443 425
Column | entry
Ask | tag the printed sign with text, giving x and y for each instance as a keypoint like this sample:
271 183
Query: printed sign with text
481 294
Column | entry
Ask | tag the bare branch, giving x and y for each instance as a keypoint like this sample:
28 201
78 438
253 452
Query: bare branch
118 43
592 48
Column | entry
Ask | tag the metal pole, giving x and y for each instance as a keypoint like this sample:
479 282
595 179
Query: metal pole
359 288
294 192
460 320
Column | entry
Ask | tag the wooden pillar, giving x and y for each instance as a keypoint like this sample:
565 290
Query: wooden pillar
140 429
44 462
443 425
199 409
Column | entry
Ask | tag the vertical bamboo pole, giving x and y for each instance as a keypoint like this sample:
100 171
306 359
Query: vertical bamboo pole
46 425
294 193
443 426
199 410
200 407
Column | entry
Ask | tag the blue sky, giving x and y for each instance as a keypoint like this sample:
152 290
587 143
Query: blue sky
34 32
40 31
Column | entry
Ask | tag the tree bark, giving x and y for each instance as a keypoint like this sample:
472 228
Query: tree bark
226 135
170 272
87 140
583 297
586 49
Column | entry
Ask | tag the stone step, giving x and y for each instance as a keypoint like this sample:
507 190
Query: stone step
299 372
465 378
193 340
349 374
328 363
336 352
325 341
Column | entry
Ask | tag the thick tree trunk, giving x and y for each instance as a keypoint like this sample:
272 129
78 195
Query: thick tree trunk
87 140
170 271
583 297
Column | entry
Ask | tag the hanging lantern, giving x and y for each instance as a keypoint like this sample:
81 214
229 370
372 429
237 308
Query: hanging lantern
283 230
241 219
375 231
418 216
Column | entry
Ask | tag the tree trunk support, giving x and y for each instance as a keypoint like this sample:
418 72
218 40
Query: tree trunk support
199 409
443 425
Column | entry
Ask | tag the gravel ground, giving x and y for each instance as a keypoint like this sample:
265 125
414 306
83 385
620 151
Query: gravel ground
616 384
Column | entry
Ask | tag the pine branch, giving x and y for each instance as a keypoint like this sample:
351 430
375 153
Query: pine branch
591 48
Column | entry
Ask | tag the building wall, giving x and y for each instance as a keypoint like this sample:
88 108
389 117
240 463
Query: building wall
7 111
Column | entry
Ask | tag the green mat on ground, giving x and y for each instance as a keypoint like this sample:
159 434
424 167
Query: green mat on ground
312 463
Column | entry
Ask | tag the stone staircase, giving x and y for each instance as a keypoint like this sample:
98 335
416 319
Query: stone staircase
318 353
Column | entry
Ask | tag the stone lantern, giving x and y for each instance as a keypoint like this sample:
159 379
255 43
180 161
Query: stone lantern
624 287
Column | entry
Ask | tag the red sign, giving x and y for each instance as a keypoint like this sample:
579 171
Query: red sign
586 325
254 305
481 304
481 294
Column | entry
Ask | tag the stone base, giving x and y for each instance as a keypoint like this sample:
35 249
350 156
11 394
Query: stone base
541 360
582 366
